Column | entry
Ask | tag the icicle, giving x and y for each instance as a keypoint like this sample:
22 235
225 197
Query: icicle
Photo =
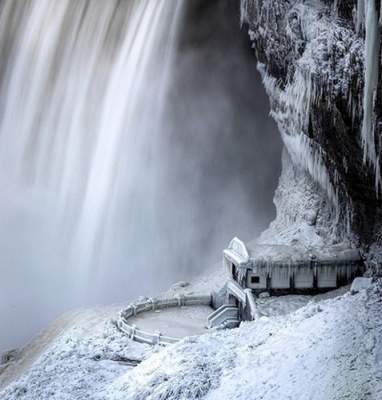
348 220
243 12
360 15
378 179
306 153
371 82
335 7
292 115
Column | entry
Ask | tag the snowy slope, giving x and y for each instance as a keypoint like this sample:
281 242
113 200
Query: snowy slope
329 350
326 350
85 355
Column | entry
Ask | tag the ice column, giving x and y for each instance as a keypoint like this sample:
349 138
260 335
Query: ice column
360 15
243 11
371 68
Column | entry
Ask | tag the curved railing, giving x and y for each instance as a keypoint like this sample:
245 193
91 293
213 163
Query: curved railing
151 304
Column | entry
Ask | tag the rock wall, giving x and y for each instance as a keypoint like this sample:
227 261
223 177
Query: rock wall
312 58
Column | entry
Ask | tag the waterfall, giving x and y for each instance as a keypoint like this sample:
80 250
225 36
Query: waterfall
127 151
84 83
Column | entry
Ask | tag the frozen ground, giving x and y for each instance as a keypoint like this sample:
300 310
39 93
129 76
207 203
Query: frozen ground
324 351
88 320
76 362
175 322
327 350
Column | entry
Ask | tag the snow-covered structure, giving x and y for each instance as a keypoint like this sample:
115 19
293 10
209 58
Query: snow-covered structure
281 269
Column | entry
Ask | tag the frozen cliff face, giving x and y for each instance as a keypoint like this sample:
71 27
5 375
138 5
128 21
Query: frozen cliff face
319 61
305 217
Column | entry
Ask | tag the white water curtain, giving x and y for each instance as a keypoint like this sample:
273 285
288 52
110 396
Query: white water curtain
84 84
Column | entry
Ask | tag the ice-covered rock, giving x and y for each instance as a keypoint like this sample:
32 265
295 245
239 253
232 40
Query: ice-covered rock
319 61
361 283
180 285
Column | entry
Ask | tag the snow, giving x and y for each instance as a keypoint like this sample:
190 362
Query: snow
285 254
304 218
303 347
174 322
79 361
325 350
212 279
88 319
272 306
360 284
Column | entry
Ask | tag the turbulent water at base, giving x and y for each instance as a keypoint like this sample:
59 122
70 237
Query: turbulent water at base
124 162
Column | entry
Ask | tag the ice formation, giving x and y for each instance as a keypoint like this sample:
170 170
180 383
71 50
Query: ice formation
372 60
292 104
243 11
311 61
360 20
292 116
305 218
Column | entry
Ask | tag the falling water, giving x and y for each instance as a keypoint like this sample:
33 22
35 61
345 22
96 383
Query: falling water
83 85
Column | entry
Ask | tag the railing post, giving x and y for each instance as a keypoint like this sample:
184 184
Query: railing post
156 338
150 301
180 298
132 332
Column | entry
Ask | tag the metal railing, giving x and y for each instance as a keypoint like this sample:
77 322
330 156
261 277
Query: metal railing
225 313
235 289
152 304
255 314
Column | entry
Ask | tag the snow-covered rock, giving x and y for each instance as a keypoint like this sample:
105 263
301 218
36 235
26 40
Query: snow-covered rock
74 359
360 283
312 58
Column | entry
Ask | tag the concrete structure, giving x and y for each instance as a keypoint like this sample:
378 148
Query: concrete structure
280 269
252 269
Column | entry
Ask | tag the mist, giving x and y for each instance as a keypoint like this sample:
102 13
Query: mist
180 188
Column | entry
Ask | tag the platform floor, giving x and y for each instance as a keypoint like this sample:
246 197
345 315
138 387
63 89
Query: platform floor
176 321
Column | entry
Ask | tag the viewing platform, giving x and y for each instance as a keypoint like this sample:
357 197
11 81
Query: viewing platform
166 321
251 270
